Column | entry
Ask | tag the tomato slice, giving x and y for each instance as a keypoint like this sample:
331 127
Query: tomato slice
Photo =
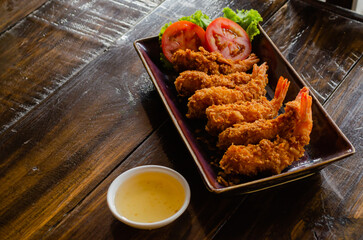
227 37
182 35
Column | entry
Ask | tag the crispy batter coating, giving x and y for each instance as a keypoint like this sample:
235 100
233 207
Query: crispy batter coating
221 95
272 156
190 81
210 62
223 116
266 157
252 132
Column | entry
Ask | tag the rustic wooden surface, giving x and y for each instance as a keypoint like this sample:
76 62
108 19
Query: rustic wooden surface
78 108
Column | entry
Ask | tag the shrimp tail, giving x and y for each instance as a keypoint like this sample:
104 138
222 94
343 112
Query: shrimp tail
305 110
305 123
281 91
259 70
302 91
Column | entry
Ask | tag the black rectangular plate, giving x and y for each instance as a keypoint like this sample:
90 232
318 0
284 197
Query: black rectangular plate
328 144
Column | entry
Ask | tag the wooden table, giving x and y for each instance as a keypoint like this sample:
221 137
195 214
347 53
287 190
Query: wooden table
78 108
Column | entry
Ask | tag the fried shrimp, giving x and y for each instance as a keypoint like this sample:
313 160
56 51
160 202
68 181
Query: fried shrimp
272 156
221 95
190 81
252 132
210 62
223 116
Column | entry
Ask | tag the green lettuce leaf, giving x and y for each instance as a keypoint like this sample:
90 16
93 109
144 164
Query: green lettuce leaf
247 19
202 20
198 18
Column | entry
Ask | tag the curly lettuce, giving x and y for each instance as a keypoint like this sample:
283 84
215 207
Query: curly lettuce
247 19
202 20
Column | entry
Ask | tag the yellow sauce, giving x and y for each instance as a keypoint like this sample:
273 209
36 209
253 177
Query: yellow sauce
149 197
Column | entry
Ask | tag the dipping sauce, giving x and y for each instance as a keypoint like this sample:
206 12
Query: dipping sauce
149 197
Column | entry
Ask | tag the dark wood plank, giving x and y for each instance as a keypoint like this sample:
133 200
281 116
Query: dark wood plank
54 156
326 206
307 40
42 52
343 179
60 152
201 220
12 11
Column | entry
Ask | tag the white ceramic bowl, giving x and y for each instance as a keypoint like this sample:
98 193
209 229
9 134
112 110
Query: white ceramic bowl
111 194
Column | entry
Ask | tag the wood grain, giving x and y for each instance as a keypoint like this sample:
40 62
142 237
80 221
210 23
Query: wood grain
93 218
12 11
45 153
343 180
42 52
307 41
78 108
66 145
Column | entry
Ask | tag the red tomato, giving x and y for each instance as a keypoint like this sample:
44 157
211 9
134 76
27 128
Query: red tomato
182 35
228 38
